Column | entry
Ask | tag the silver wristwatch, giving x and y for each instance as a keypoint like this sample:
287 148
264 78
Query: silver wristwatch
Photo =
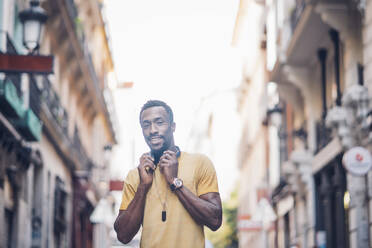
176 184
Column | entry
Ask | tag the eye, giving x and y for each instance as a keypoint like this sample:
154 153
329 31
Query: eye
145 125
160 122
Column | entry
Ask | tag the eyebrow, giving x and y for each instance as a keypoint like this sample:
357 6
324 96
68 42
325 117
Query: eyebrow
156 119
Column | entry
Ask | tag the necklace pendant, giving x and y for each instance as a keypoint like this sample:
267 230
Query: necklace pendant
163 215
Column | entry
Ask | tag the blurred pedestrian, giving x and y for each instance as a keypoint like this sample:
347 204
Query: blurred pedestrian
172 194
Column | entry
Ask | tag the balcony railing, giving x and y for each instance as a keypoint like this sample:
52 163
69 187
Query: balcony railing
54 104
60 119
296 13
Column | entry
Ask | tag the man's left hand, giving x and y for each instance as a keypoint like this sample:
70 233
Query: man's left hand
168 165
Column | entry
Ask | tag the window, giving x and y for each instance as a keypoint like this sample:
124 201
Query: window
60 197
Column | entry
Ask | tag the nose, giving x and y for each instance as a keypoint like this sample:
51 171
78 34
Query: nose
153 128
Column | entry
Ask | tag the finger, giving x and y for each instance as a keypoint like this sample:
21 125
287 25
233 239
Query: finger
148 160
149 170
147 156
162 157
162 164
165 160
169 155
170 152
149 164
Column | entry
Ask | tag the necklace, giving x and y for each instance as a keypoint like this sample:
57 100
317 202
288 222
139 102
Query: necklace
163 203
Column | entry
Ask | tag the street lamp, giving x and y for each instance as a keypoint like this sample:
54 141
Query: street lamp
275 115
32 20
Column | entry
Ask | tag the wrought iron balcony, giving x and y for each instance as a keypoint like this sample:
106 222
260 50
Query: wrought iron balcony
296 13
53 102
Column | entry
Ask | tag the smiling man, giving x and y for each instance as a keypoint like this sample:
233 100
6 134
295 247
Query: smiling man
172 194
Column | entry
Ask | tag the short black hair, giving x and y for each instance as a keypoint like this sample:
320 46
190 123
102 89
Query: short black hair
157 103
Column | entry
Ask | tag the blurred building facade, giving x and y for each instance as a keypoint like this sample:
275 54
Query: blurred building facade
318 57
56 130
253 152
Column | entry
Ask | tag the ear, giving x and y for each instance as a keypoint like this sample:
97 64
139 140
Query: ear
173 126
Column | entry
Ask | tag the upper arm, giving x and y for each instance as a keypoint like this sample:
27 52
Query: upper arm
207 178
129 189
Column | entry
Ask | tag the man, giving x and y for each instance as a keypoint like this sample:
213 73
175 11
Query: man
172 194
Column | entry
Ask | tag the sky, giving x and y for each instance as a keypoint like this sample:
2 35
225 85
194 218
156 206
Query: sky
179 52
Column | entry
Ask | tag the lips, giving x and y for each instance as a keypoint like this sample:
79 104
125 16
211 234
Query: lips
155 139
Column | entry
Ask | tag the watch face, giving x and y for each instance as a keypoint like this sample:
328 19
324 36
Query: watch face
178 183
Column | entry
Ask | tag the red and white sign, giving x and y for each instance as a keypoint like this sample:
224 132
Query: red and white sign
357 161
249 225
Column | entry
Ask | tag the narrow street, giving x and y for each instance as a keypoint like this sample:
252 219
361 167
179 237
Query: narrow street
270 110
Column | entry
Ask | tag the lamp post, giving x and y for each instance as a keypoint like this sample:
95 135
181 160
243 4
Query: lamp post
275 115
32 20
28 124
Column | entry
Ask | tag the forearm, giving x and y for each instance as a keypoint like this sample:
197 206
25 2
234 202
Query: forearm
129 221
202 211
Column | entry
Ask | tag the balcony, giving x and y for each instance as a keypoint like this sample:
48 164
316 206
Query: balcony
56 122
53 103
94 84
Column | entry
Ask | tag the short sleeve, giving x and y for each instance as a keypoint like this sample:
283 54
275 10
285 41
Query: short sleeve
129 189
207 182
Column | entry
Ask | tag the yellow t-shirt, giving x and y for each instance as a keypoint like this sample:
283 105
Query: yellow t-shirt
179 229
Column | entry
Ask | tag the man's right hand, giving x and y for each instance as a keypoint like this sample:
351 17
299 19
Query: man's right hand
146 169
129 221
